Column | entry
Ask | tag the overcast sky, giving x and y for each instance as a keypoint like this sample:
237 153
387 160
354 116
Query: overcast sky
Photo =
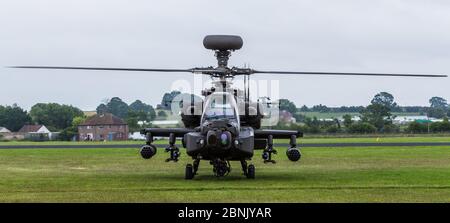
407 36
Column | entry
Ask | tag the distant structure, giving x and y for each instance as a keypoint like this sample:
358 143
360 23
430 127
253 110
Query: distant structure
286 117
36 133
4 130
103 127
6 134
34 129
415 118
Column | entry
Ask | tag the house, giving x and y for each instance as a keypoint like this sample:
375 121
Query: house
4 130
286 117
102 127
6 134
36 133
34 129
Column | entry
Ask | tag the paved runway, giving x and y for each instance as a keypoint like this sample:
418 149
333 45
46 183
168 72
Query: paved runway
403 144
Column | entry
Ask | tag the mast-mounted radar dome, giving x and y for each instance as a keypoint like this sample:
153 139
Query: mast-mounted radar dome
222 42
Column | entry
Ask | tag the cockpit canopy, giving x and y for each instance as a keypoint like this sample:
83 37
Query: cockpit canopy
219 106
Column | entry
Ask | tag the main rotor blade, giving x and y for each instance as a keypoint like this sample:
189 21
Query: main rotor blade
194 70
346 74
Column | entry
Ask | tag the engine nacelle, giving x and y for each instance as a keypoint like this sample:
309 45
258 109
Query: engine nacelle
148 151
293 154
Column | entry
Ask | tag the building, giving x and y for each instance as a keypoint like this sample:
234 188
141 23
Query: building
34 129
286 117
103 127
414 118
36 133
4 130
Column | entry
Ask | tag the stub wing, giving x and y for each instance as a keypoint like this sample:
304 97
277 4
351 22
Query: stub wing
165 132
277 134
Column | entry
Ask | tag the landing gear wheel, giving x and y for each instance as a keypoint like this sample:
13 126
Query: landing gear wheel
251 171
189 174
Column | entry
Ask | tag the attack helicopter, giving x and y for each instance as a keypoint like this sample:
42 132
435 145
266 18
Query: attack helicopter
226 125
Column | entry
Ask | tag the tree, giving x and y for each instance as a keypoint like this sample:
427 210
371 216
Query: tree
332 129
54 116
132 121
320 108
167 99
391 128
385 99
304 108
138 105
143 111
443 126
362 127
378 113
117 107
347 120
13 117
438 102
438 107
102 109
287 105
299 117
162 113
313 124
70 132
436 113
417 127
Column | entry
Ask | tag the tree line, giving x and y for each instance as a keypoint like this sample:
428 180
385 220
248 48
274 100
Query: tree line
438 108
66 118
374 118
132 114
56 117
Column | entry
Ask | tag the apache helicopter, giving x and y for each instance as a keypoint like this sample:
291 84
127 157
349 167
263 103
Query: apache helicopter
228 126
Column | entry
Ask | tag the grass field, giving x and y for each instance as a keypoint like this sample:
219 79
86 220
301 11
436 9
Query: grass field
369 174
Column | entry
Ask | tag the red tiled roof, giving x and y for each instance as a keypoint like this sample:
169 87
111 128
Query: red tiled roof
103 119
30 128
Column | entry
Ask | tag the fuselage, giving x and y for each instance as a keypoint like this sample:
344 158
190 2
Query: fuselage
221 134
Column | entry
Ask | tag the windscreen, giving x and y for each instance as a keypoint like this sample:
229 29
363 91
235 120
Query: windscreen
220 106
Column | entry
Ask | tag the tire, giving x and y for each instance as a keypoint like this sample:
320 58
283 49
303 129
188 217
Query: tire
251 171
189 174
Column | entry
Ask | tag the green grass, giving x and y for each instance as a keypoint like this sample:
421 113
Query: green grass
381 174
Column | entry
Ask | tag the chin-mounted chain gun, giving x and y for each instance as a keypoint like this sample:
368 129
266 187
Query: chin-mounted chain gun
172 149
267 154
